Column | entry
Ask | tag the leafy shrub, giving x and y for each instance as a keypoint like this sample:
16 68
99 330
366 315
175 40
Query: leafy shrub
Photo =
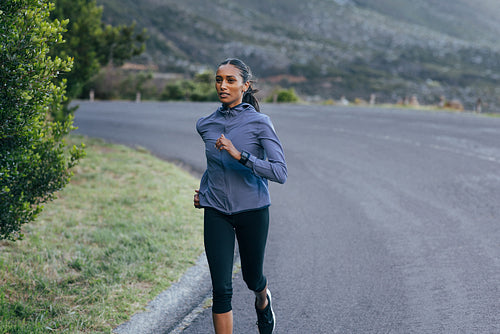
173 92
283 96
115 83
200 89
33 159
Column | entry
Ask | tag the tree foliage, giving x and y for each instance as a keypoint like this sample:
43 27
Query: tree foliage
92 43
34 162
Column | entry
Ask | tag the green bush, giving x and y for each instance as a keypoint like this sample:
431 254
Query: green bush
200 89
34 162
117 83
203 92
173 92
283 96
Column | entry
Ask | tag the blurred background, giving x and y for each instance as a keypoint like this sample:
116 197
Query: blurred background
443 53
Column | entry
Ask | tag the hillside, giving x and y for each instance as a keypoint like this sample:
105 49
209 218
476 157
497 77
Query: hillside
394 48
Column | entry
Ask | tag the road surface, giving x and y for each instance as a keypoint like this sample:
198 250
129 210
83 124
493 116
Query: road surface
389 221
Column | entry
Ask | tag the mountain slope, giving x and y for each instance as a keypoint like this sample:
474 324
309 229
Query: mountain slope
393 48
465 19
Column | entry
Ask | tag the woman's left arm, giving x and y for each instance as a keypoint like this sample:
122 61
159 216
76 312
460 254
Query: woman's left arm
274 168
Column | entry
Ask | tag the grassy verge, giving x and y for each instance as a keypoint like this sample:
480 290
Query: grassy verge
122 231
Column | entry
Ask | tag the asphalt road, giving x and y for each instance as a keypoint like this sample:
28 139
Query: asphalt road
389 221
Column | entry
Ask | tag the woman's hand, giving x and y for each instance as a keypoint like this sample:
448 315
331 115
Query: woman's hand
225 144
196 200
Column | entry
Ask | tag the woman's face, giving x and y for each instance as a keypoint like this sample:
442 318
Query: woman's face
229 85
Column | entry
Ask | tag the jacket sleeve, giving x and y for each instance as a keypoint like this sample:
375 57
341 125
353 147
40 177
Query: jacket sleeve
274 168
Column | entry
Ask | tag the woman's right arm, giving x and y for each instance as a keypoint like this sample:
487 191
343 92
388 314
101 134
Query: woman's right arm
196 200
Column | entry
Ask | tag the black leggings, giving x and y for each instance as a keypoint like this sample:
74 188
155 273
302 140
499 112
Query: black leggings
251 228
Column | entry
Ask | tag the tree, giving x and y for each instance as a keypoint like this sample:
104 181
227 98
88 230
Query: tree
92 43
34 160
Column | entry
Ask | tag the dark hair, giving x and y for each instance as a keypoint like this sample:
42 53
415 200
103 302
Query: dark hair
246 74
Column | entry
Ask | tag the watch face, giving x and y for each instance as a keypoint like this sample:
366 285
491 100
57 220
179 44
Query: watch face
244 157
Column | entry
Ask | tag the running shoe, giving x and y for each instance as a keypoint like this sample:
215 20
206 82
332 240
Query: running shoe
266 320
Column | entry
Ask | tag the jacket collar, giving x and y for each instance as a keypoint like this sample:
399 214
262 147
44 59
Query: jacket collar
227 112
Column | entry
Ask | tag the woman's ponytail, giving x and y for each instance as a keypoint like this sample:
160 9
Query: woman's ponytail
246 74
249 97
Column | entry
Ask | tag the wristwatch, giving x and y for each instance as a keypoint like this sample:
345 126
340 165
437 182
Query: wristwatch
244 157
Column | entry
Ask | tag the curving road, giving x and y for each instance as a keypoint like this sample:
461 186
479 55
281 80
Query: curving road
389 221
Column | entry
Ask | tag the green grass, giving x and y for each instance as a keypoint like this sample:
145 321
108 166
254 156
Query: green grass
121 232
